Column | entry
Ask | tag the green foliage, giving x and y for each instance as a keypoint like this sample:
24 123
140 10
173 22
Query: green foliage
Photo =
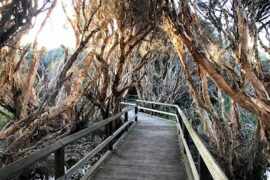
194 119
3 120
227 105
5 116
248 124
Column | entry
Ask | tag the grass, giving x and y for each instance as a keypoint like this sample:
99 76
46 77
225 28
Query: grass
5 116
3 120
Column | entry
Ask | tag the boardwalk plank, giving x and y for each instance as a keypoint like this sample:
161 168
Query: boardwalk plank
149 152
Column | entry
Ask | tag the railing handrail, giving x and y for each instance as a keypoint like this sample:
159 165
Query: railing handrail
210 162
127 103
208 159
21 164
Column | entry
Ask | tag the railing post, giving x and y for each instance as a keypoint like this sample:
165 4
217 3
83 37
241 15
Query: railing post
152 107
126 119
203 171
136 111
110 127
186 136
59 161
180 121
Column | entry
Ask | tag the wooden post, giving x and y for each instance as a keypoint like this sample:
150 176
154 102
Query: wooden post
203 171
186 135
167 110
110 133
181 121
59 161
152 107
126 119
136 112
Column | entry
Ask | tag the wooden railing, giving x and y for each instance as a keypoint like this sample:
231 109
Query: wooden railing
206 164
58 148
130 98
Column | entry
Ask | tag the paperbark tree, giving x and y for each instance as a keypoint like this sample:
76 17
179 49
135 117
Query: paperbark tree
218 44
163 80
115 62
53 116
228 57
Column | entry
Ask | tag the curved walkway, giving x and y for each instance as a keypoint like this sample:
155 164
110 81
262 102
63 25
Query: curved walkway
149 152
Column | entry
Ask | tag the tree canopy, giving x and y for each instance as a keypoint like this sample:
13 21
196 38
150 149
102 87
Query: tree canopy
211 57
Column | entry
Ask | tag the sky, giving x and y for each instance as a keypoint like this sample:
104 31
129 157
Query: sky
57 31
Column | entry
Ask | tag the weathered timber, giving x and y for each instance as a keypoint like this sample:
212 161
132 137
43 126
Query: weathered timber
18 166
150 151
157 111
59 158
188 133
87 157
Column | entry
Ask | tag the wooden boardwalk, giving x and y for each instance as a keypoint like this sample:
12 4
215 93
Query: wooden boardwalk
149 152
